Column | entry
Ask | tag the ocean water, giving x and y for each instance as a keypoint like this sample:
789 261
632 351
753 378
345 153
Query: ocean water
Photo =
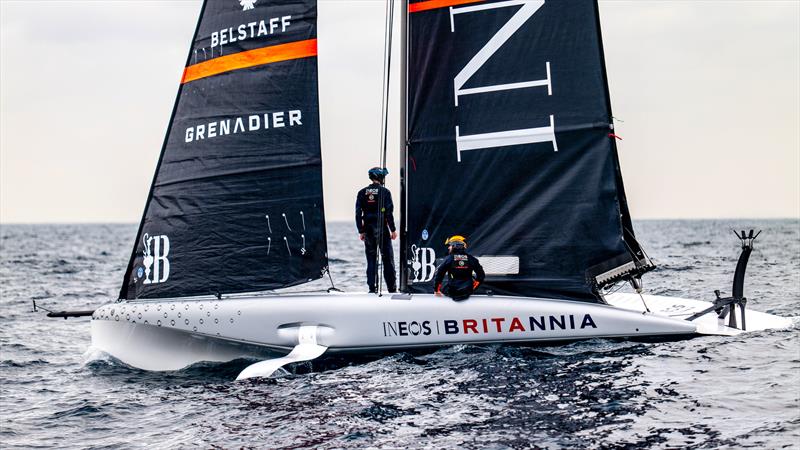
707 392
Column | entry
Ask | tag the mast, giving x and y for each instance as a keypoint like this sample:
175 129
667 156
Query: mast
403 269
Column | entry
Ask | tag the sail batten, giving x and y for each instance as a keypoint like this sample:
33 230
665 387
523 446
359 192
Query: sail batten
236 202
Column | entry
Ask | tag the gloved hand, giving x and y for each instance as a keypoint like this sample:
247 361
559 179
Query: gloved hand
475 284
438 292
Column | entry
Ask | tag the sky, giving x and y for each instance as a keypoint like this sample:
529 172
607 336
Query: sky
706 93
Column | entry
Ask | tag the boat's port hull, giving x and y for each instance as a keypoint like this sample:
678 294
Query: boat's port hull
169 335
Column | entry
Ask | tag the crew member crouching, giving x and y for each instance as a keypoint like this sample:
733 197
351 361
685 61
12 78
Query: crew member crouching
459 266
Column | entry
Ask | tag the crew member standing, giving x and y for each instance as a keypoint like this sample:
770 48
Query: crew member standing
375 224
458 266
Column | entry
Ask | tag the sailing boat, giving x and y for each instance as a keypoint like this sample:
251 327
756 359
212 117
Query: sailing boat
509 97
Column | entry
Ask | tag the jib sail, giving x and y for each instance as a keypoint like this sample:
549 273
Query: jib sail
510 143
236 201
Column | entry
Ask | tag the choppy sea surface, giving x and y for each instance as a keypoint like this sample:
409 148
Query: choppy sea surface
707 392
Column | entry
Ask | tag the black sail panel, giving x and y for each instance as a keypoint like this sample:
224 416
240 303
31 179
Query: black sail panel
236 201
510 144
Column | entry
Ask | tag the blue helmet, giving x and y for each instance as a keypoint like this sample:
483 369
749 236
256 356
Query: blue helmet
378 173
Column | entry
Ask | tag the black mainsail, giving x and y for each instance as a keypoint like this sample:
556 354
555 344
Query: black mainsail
236 200
510 143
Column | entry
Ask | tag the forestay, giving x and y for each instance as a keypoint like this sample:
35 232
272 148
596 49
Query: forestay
510 142
236 201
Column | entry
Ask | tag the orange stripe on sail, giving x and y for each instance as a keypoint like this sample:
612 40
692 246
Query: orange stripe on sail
436 4
250 58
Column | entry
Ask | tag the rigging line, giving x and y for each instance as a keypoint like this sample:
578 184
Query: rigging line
330 277
387 77
274 293
387 64
381 143
36 307
384 84
613 289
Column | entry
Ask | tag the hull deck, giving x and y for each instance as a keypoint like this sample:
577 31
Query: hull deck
170 335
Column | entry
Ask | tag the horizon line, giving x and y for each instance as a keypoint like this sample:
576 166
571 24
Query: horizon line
770 218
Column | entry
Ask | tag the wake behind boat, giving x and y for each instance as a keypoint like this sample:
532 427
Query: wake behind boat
507 137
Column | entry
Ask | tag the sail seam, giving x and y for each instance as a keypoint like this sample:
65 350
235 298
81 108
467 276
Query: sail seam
318 162
561 129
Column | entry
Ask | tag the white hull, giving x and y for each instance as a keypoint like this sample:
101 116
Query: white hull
170 335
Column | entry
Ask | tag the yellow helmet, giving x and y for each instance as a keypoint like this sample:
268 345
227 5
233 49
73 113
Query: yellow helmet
456 239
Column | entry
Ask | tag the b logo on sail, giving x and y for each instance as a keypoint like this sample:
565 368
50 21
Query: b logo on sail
423 263
156 263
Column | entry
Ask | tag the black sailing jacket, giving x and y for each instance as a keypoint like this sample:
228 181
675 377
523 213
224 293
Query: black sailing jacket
368 204
459 266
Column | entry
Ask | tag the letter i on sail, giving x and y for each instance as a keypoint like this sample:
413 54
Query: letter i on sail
506 137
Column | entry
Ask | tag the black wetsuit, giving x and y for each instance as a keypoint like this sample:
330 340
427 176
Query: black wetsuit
368 218
459 266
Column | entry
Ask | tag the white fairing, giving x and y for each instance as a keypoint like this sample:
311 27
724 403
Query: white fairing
169 335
